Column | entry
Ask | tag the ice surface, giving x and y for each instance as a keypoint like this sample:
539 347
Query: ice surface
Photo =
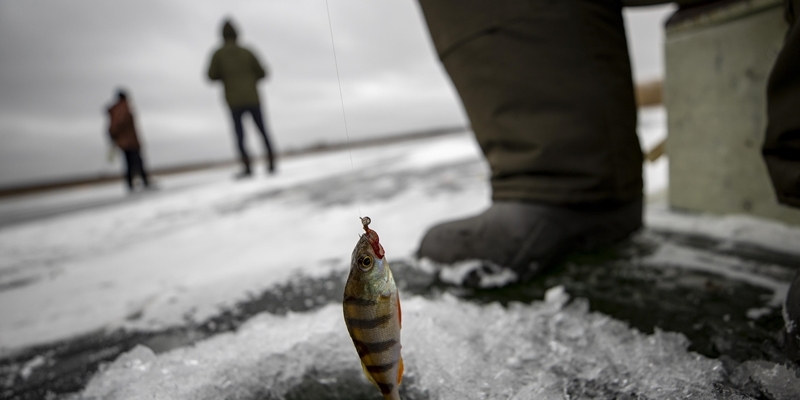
185 253
189 251
553 349
735 230
205 242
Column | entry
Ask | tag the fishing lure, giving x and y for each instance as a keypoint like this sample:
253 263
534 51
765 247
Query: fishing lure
372 314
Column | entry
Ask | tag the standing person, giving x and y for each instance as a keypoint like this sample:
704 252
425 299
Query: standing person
239 70
548 89
122 131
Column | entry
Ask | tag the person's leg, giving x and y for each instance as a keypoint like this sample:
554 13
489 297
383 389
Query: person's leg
130 165
548 89
236 113
781 147
258 118
549 95
141 169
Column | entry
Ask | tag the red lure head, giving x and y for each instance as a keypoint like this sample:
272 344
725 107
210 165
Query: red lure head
373 238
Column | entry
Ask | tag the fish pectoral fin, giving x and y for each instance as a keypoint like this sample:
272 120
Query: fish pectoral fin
366 373
386 294
400 372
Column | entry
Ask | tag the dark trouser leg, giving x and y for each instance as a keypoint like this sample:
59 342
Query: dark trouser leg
140 167
130 164
236 113
782 142
547 86
258 118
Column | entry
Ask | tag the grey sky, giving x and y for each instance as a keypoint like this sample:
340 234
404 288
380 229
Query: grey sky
60 62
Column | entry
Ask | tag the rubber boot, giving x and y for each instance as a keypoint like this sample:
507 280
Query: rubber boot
528 238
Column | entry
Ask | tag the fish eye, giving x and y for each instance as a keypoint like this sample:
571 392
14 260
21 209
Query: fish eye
366 262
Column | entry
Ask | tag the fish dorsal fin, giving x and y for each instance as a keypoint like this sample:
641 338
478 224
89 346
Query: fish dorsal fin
400 372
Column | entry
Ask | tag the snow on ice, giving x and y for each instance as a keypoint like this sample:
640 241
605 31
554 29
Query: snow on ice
185 253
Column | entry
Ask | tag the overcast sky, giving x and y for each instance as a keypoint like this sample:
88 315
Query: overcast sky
60 62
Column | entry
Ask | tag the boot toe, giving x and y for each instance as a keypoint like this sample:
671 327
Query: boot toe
527 238
445 243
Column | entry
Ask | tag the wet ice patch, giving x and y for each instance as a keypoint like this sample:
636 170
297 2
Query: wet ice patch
452 350
734 230
733 268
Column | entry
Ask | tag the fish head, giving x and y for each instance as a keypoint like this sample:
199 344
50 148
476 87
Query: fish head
367 261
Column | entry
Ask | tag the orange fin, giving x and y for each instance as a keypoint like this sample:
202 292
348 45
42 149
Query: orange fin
400 372
399 313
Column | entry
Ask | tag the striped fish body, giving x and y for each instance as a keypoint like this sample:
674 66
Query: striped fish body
372 315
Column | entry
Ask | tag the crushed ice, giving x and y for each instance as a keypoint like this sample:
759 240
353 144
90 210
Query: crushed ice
452 350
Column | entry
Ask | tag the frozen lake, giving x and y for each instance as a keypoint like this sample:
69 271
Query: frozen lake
212 288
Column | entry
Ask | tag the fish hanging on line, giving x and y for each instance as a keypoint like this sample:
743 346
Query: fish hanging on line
372 314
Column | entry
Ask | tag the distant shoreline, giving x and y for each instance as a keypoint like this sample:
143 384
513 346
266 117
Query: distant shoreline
42 186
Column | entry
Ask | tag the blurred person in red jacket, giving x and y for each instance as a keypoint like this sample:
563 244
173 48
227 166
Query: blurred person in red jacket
122 131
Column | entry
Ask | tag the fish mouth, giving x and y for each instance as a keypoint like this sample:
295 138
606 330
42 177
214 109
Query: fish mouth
363 243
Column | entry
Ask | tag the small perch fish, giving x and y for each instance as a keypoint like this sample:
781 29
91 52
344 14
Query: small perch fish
372 314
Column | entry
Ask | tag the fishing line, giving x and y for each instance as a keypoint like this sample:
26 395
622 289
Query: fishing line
341 101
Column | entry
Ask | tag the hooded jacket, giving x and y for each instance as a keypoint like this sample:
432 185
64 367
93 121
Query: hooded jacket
238 69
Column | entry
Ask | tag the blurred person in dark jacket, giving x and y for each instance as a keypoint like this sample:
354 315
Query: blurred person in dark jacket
122 130
239 70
